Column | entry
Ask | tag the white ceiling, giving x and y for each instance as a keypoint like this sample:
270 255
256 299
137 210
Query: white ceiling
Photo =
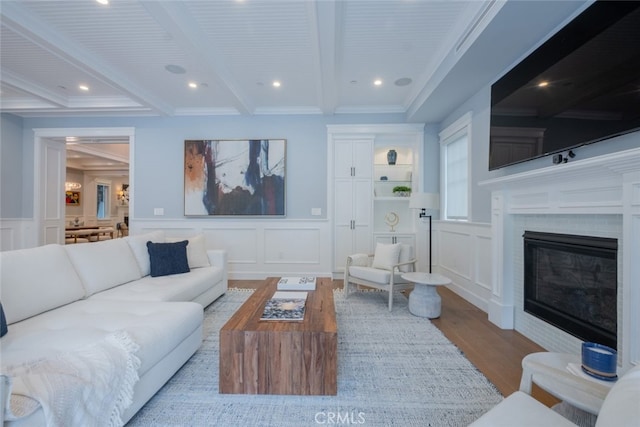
325 53
107 156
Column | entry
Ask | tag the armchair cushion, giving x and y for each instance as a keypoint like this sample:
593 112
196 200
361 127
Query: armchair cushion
376 275
520 409
620 407
406 255
386 256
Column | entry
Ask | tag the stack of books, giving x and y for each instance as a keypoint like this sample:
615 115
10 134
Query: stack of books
285 306
297 284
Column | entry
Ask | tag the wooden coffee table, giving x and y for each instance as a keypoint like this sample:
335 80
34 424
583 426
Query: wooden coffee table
288 357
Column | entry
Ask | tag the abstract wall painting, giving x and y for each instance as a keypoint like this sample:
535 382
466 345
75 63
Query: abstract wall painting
234 177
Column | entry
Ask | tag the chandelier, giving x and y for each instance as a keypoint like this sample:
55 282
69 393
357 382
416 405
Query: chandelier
71 186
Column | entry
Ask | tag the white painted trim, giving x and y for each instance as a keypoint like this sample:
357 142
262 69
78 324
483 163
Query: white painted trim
43 133
460 126
607 184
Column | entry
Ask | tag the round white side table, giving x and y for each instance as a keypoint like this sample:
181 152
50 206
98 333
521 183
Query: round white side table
549 371
424 300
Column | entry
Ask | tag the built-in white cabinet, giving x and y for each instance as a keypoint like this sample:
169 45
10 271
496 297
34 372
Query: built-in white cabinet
352 196
363 174
407 239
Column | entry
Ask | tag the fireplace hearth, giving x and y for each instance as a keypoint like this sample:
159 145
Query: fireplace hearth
570 281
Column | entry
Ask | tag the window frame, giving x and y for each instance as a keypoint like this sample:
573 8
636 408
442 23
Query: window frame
106 199
452 133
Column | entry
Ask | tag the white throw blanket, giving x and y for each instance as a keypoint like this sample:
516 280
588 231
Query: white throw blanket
90 386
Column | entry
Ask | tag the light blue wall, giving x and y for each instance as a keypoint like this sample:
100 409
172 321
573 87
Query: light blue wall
480 106
11 166
158 155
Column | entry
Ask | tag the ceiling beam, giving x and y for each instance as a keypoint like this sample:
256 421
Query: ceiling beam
325 20
16 18
17 82
178 21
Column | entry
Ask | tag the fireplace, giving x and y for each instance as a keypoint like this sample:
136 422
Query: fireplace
570 281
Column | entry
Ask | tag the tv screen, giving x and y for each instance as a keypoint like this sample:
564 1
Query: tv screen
579 87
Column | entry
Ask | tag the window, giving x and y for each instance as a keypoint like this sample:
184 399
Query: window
103 198
454 166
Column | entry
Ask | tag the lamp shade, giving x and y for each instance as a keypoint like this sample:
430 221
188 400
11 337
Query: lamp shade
424 201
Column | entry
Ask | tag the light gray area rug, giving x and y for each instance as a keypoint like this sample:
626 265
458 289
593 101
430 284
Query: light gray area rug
393 369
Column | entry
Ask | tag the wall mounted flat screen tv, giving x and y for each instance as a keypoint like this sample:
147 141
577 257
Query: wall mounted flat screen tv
581 86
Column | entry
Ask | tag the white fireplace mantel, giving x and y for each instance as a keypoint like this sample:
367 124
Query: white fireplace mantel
607 184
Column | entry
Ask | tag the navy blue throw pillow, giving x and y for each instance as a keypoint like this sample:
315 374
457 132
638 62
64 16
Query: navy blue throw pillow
3 322
168 258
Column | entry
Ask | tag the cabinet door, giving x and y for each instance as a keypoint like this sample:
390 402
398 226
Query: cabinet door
362 215
352 158
352 197
363 159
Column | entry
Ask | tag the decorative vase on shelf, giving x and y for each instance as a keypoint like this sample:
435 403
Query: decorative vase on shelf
391 157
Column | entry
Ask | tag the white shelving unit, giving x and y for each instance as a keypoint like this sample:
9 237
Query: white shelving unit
407 141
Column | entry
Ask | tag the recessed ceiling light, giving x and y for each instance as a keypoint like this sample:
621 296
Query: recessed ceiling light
276 83
193 85
71 138
175 69
103 2
403 81
543 84
83 87
377 82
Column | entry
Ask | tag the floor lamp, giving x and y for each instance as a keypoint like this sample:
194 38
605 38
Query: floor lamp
424 201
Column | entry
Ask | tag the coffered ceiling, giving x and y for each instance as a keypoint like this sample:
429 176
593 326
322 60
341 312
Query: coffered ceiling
138 57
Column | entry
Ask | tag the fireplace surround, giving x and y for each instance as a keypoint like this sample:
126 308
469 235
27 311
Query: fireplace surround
571 281
600 193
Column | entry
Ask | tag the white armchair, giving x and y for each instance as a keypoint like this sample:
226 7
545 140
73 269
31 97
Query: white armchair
619 407
381 270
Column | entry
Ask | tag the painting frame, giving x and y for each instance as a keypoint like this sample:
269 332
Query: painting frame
73 198
235 177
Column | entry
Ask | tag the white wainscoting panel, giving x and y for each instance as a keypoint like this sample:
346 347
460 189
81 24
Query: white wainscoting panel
257 248
465 256
17 233
8 236
239 242
292 246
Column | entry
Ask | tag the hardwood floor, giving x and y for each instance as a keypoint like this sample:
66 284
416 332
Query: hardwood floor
497 353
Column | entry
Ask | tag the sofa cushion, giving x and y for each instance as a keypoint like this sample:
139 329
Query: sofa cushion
3 322
386 256
196 250
620 407
177 287
36 280
157 327
168 258
138 245
103 265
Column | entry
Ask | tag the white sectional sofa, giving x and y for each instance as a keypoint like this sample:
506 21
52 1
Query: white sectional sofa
59 299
